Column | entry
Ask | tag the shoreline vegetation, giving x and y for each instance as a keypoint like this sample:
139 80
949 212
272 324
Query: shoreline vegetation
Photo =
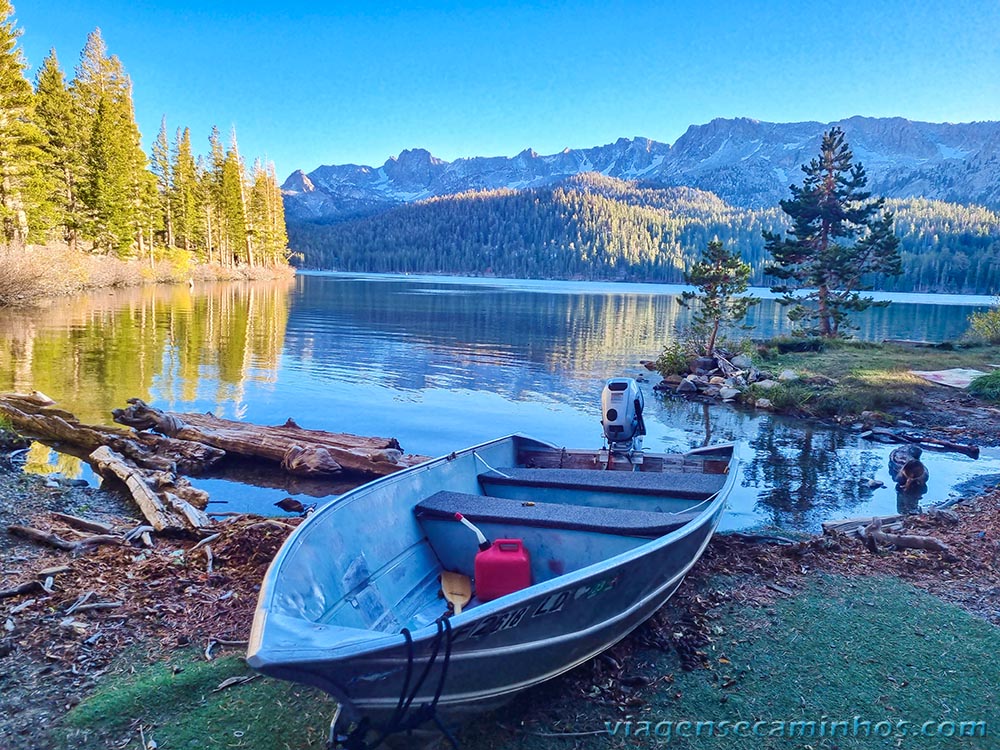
31 275
848 382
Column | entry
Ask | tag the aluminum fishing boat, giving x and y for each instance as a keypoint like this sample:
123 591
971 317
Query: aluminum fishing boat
352 602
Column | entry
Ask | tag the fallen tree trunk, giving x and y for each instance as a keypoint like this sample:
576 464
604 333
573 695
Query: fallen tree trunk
882 434
53 540
856 526
84 524
33 415
297 450
164 510
874 536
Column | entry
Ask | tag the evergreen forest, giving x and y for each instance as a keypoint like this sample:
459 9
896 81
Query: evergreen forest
73 170
600 228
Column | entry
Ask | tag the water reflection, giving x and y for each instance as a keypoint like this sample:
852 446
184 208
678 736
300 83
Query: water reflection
173 345
438 365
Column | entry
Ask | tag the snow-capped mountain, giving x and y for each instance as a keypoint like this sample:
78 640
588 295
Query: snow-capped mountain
746 162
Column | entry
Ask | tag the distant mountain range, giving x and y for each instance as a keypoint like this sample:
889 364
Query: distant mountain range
747 163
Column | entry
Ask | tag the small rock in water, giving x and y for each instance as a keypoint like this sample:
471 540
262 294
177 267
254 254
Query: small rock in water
872 484
687 386
763 403
728 394
291 505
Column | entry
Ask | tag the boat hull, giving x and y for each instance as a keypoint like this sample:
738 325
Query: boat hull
501 648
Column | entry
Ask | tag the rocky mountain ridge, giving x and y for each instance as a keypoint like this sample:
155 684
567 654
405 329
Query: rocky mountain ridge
747 163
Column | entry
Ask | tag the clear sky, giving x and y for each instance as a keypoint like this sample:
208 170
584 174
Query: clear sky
310 83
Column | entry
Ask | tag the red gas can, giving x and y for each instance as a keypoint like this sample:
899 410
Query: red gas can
503 568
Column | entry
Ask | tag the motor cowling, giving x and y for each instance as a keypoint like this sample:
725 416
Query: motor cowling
621 411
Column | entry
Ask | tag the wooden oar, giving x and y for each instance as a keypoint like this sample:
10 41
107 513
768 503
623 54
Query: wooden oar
457 589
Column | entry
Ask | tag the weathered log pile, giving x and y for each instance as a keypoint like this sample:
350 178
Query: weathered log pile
157 447
298 451
148 465
877 532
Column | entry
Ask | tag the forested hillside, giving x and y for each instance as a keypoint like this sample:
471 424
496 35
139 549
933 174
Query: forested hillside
73 171
597 227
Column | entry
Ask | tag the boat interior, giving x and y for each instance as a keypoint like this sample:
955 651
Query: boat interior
377 564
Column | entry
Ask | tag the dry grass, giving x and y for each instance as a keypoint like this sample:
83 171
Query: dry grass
27 275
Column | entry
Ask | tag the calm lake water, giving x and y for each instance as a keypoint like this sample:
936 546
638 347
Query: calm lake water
440 364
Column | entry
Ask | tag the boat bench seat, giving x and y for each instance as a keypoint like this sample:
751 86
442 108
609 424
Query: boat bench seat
486 509
685 485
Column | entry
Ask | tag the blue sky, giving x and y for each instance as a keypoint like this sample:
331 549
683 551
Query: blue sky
323 83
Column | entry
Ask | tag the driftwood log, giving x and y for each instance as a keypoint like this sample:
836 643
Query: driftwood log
148 464
35 416
874 535
53 540
156 496
856 526
884 435
297 450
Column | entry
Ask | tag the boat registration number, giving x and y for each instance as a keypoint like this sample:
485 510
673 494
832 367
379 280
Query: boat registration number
549 605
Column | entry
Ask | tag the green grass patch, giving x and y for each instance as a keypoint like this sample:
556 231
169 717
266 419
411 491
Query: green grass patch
840 358
987 386
876 649
870 377
176 703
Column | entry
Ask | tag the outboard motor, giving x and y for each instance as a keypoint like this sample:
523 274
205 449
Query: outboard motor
621 414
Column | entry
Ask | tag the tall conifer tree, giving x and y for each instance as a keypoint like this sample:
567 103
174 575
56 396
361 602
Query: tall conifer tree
22 189
116 178
161 166
185 191
840 237
57 117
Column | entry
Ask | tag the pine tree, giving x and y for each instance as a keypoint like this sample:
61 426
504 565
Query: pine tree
276 218
214 214
22 180
184 176
116 179
98 75
56 116
233 208
721 277
162 170
840 238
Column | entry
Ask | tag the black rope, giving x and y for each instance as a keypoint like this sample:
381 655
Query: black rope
401 721
400 710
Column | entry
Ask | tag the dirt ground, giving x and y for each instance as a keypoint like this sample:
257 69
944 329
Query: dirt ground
953 414
56 644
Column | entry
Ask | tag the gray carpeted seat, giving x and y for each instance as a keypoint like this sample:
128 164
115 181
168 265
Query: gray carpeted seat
486 509
687 485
